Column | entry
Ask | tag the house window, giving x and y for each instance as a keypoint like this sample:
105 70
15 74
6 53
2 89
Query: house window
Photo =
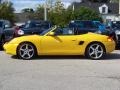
103 9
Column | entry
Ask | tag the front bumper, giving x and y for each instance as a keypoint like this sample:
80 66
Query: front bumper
10 48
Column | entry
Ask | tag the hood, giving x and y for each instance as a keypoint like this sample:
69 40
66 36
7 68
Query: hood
29 38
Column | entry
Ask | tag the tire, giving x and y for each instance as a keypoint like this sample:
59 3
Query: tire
95 51
2 43
26 51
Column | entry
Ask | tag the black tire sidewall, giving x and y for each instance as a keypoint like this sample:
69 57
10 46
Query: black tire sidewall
2 43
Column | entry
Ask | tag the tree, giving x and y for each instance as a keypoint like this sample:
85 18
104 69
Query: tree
29 13
114 1
7 11
57 15
85 13
61 16
39 13
59 7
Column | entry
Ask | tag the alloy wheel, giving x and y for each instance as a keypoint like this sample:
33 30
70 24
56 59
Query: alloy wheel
96 51
26 51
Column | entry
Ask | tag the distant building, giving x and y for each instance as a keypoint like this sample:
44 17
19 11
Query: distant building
108 11
1 1
21 17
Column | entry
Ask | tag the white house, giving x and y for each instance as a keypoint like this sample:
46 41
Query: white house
108 11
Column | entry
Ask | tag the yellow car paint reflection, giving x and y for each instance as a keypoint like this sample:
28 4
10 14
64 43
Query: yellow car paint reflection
68 44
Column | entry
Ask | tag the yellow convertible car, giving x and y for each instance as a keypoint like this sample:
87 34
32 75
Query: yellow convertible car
56 41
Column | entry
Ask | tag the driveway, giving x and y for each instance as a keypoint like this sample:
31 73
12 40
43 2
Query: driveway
60 73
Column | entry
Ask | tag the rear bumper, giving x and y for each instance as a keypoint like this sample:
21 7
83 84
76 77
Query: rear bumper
110 46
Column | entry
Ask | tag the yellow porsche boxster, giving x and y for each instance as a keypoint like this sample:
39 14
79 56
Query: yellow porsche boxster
56 41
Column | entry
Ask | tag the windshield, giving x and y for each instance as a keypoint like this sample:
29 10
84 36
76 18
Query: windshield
48 30
1 24
32 25
45 31
97 24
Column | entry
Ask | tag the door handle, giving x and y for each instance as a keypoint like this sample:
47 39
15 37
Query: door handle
73 40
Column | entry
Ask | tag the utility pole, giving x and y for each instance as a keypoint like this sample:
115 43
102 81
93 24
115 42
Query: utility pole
73 9
45 10
119 7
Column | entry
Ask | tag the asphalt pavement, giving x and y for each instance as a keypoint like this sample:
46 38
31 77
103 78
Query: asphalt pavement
60 73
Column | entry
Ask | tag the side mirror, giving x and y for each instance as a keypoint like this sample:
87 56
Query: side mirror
51 34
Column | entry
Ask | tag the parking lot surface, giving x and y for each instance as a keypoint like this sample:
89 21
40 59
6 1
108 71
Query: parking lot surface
60 73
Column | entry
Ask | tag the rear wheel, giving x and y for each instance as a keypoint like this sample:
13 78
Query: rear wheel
95 51
26 51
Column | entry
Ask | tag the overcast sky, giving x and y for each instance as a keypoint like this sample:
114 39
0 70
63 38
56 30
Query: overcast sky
20 4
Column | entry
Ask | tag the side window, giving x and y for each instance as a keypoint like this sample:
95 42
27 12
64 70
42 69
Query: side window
45 25
96 24
80 25
58 31
38 25
68 31
32 25
64 31
1 24
7 25
89 24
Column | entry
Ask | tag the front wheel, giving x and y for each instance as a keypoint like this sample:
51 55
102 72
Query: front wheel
26 51
2 43
95 51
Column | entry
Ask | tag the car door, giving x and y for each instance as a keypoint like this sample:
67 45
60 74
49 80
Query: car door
8 30
1 29
63 43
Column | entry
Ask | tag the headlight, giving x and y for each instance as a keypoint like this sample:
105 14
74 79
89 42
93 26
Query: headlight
20 32
117 32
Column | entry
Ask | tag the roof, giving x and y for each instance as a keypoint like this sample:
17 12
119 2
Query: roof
2 20
113 7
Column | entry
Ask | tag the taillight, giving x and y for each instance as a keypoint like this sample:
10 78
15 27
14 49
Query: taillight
18 32
110 39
